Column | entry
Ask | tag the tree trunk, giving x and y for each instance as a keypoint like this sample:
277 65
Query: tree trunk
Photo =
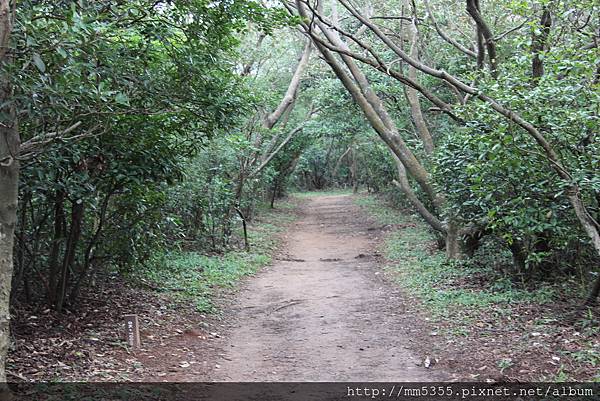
412 96
292 90
59 235
354 171
373 107
404 185
9 182
483 29
453 249
239 193
519 255
9 189
274 190
339 163
21 246
538 45
88 255
70 252
591 226
245 228
594 292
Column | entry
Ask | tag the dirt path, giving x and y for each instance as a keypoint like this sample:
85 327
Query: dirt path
321 312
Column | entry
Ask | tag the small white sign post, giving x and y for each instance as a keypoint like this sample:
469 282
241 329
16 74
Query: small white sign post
132 331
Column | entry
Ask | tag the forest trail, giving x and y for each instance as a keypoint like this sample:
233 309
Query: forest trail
322 312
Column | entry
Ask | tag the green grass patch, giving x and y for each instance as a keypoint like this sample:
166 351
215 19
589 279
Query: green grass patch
191 276
383 213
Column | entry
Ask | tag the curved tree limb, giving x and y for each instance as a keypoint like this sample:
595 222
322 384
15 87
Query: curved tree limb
339 161
404 185
250 64
291 92
411 94
483 28
283 143
378 64
509 31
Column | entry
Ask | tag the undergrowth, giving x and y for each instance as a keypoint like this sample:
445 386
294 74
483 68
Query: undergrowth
191 276
443 285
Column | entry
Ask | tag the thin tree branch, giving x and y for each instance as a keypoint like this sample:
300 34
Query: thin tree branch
445 36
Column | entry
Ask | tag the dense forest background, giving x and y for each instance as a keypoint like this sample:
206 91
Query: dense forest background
139 127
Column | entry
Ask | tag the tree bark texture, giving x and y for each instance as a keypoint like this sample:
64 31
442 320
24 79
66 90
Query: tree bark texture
9 187
292 90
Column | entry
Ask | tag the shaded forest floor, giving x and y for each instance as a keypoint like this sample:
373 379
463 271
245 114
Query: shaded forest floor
177 328
353 291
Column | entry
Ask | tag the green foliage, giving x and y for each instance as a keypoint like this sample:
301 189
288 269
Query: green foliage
135 92
443 286
496 176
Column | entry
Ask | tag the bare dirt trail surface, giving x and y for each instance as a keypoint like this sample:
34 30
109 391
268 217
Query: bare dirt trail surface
322 312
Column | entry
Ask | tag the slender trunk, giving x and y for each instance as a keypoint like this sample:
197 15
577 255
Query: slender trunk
9 181
250 64
274 194
589 224
9 190
282 145
404 186
339 163
538 45
88 255
21 247
283 175
480 49
412 96
8 205
234 207
245 228
445 36
59 230
354 171
70 253
483 30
